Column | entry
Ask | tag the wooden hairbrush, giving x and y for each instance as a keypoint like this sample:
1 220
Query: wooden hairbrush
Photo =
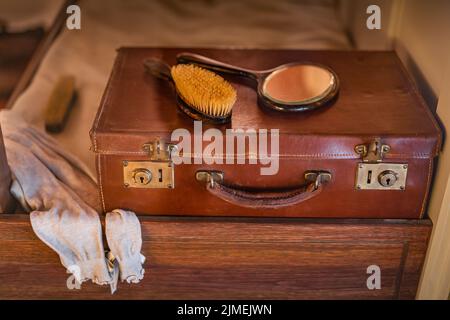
60 104
201 94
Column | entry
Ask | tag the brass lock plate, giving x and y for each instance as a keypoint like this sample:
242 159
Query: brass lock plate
148 174
381 176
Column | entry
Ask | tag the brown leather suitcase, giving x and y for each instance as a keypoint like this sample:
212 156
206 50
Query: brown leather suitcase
369 154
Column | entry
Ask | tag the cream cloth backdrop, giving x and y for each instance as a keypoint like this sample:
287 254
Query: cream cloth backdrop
22 15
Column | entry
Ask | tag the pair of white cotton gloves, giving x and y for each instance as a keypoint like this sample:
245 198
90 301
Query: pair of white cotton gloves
62 198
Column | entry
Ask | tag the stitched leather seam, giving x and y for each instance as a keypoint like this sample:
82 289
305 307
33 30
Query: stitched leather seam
116 68
238 155
100 182
315 155
430 172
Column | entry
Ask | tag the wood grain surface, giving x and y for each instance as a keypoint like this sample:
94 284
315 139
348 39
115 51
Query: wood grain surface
226 258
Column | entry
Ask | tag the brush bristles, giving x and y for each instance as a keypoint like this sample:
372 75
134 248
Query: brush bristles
204 90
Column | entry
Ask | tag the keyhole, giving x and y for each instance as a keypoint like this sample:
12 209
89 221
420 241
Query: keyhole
142 176
387 178
369 176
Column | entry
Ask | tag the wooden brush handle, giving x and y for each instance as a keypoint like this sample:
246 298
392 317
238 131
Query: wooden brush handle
215 65
60 104
158 68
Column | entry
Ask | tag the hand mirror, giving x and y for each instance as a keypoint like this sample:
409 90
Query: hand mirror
292 87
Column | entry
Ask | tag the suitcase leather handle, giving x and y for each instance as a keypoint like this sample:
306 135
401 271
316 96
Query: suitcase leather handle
262 198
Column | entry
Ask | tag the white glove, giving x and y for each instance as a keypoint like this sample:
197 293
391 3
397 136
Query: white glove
61 196
123 233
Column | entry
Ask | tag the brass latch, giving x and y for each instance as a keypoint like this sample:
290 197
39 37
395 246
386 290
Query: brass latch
374 153
157 172
374 174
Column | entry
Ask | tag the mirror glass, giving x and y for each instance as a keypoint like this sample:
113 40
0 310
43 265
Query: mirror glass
298 84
